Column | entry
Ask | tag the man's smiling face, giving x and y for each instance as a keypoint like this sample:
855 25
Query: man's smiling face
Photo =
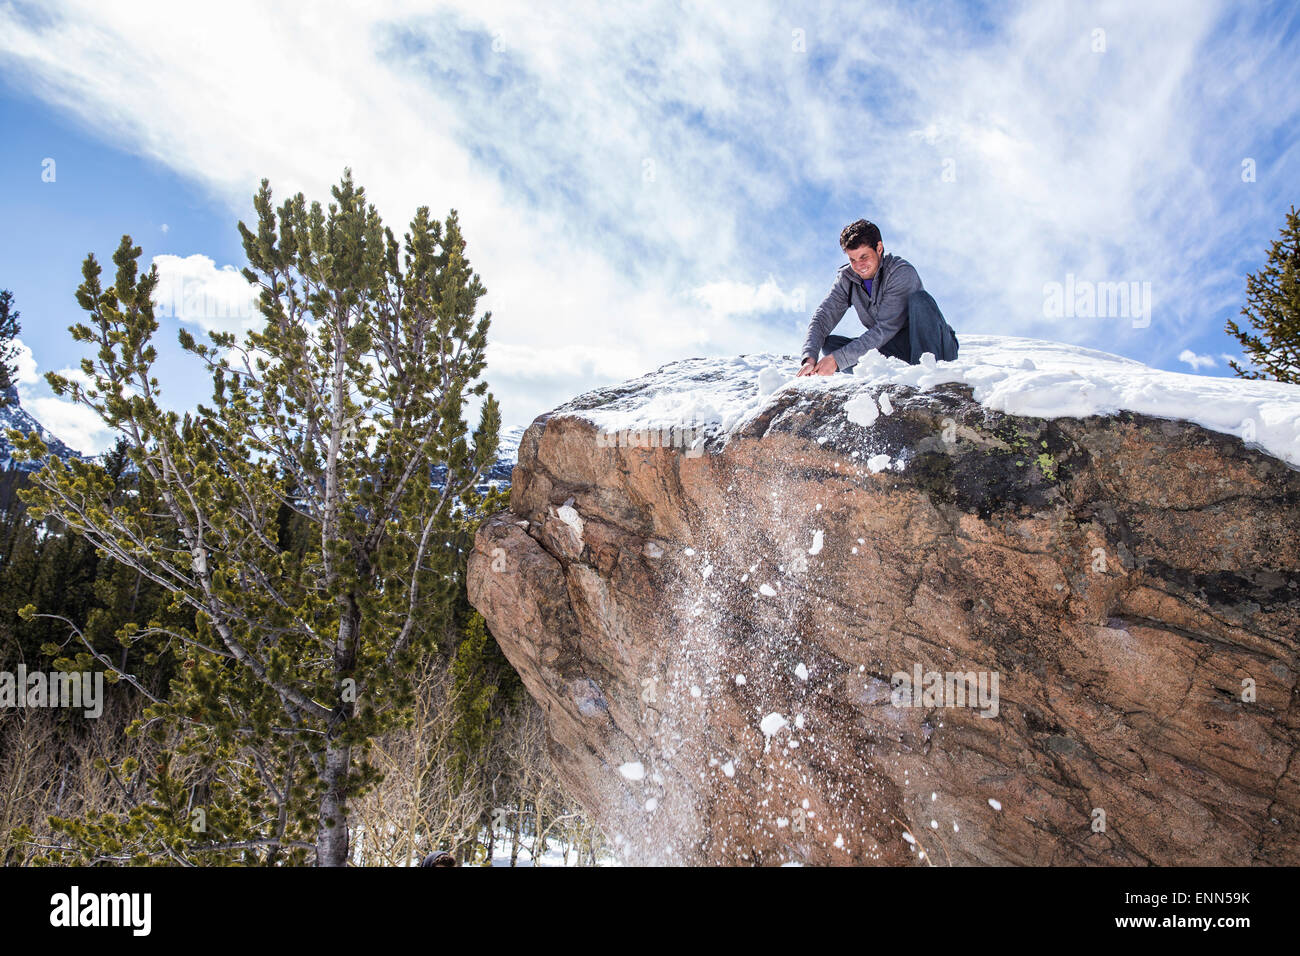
865 260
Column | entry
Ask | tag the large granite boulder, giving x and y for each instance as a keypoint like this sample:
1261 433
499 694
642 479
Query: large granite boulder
870 619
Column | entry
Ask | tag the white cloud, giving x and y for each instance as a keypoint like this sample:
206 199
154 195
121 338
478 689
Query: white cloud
74 375
564 362
1196 361
727 297
76 425
192 289
24 365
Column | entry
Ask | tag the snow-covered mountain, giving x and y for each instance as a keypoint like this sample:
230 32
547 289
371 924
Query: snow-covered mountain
508 442
498 475
13 415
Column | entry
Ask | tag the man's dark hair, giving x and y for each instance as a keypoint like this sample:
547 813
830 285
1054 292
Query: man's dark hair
438 858
860 233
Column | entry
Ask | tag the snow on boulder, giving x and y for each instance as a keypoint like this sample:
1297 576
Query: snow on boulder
772 378
1010 374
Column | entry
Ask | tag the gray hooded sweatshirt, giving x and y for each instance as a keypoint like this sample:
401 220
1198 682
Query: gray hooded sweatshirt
883 312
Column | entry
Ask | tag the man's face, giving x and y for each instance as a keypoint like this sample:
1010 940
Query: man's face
866 260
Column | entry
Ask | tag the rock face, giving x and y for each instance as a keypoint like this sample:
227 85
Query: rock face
741 645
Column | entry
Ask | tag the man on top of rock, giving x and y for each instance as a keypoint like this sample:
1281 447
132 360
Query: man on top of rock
901 318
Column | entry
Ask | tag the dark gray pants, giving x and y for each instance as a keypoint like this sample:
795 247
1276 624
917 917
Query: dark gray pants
924 330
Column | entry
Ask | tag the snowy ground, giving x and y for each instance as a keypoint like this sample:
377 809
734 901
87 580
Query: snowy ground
1014 375
553 857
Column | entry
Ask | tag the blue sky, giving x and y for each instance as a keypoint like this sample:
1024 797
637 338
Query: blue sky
645 183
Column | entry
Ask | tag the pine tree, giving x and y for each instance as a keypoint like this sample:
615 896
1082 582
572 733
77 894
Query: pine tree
1273 307
9 329
19 565
201 804
338 410
474 689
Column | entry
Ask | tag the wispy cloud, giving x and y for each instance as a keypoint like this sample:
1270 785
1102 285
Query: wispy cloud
643 183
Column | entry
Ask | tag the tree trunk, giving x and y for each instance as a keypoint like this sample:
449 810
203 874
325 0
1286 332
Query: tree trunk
515 835
332 837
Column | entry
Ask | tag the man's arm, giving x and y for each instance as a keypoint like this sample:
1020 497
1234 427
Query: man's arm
901 282
826 317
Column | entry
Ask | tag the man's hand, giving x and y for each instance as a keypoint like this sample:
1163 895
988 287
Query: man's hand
826 366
